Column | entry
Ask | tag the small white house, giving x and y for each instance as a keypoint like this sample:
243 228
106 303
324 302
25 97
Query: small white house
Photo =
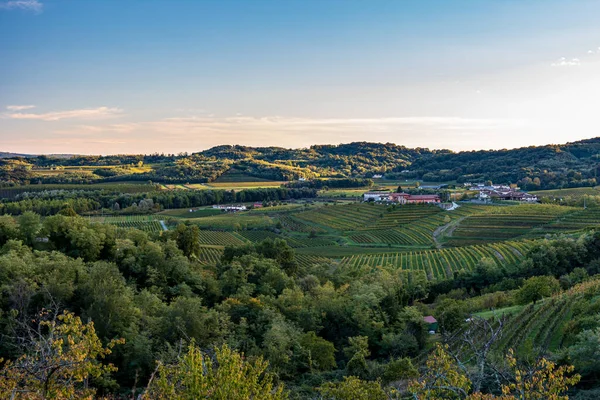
377 176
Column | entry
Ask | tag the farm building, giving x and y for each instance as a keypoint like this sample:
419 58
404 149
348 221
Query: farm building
377 196
229 207
405 198
432 324
401 198
507 195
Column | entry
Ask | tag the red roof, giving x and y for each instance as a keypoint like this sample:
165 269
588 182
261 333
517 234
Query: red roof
424 197
429 319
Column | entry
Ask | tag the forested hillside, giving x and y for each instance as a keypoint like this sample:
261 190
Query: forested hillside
537 167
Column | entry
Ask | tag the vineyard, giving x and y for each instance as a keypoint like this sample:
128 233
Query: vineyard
147 223
441 264
294 224
343 217
233 222
571 192
505 223
220 238
210 255
574 221
542 324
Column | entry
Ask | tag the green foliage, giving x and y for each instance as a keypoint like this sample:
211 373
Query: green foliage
536 288
196 376
352 388
320 352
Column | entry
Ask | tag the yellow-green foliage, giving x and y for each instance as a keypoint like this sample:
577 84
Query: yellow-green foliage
196 376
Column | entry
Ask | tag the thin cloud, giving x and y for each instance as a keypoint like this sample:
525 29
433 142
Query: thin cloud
85 113
19 107
564 62
27 5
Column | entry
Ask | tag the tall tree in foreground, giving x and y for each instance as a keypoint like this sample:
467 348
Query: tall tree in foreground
62 357
229 376
446 379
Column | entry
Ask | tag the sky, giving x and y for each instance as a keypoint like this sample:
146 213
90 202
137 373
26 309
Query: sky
147 76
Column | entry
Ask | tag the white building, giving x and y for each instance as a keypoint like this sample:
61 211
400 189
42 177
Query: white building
376 196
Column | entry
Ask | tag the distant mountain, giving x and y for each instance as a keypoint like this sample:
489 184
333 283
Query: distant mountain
4 154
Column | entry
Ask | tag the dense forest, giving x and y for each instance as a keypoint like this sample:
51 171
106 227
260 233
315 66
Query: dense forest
315 331
537 167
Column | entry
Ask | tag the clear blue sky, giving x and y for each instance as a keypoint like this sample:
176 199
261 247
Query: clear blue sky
117 76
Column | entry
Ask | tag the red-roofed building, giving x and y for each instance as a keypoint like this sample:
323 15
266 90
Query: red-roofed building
432 324
405 198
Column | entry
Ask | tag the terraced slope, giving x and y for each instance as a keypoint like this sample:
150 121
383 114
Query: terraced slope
343 217
440 264
542 325
506 223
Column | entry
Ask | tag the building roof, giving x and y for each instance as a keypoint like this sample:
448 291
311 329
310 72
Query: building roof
429 319
424 197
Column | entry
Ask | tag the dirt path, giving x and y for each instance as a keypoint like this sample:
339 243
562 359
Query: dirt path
445 230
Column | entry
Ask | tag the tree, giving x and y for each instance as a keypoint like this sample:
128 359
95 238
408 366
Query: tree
352 388
445 378
320 352
450 315
8 229
229 376
357 352
585 352
29 226
58 363
188 239
542 381
536 288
